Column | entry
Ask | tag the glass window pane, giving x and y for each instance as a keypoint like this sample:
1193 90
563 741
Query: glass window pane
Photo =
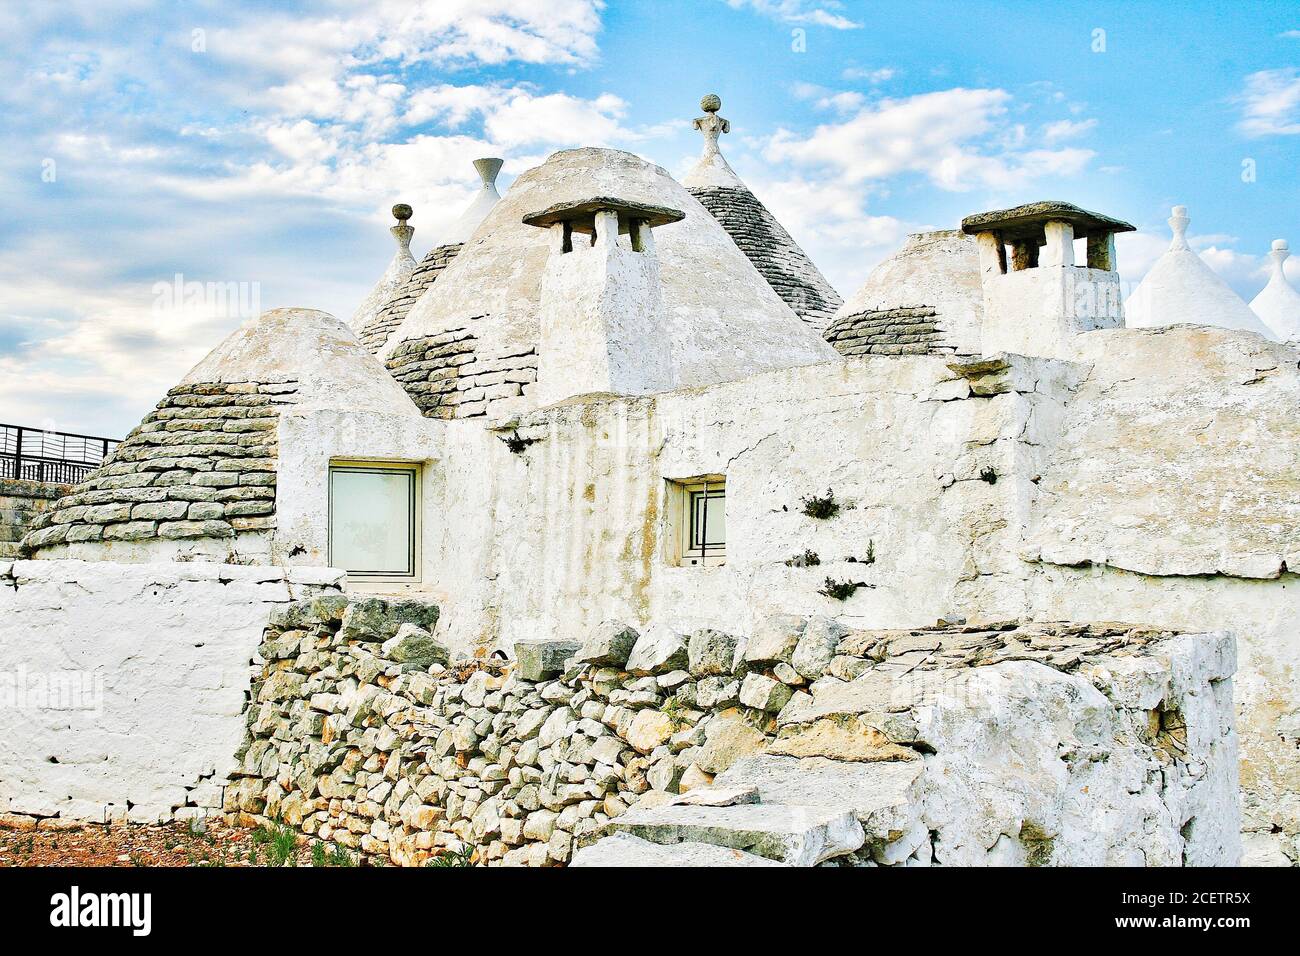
715 529
372 522
708 520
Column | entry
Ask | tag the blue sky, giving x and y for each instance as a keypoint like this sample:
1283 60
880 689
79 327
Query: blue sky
262 143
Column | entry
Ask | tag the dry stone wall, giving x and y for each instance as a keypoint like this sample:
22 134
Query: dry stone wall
200 465
386 321
21 503
806 744
909 330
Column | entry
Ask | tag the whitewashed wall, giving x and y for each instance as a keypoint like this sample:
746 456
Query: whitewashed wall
160 654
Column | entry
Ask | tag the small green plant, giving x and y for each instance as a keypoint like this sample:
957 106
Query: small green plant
989 475
821 508
518 444
841 590
280 841
340 857
461 857
318 858
869 558
809 559
675 710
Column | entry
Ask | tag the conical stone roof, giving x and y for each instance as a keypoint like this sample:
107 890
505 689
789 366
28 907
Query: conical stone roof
1278 303
1182 289
924 299
199 472
399 269
754 229
374 332
473 338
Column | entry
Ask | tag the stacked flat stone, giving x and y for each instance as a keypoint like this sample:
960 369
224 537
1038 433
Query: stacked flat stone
201 465
447 377
776 256
376 332
364 732
909 330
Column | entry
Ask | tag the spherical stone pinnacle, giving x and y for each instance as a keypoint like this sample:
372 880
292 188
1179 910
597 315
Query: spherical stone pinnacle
402 212
711 103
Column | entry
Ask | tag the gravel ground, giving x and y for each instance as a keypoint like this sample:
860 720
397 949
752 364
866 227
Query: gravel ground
22 843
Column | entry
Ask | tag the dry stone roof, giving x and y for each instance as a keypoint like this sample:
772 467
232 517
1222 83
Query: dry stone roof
924 299
722 320
763 239
203 464
910 330
374 334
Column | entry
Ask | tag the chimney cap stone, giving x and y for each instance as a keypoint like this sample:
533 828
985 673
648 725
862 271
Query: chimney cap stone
402 212
582 214
1027 221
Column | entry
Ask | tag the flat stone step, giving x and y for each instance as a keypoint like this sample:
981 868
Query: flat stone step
623 849
795 835
879 794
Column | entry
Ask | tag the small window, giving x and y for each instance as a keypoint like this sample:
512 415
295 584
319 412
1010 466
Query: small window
373 520
698 513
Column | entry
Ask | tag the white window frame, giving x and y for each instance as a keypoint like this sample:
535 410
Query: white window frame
683 550
414 531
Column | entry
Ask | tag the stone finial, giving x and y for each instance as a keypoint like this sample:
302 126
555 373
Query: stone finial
488 168
403 231
1178 223
711 124
1279 254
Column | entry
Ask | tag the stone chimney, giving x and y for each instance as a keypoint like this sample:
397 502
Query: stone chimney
602 326
1036 297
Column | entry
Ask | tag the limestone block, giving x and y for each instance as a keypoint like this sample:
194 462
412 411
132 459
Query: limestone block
412 644
794 835
658 650
711 652
542 659
608 646
775 639
623 849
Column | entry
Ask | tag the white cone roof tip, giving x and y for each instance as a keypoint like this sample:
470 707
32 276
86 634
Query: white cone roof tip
486 197
1278 303
331 367
398 271
713 168
1182 289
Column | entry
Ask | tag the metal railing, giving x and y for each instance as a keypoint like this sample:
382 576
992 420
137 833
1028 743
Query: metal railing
60 457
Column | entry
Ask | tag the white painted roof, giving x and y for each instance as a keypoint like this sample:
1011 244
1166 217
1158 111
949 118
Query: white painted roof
1278 303
941 269
1181 289
398 271
722 317
479 207
331 366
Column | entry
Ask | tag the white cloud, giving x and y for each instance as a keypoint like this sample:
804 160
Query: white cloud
1271 103
830 222
824 14
1066 129
959 138
874 77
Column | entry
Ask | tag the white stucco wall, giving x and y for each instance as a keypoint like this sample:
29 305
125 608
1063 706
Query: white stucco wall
161 655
